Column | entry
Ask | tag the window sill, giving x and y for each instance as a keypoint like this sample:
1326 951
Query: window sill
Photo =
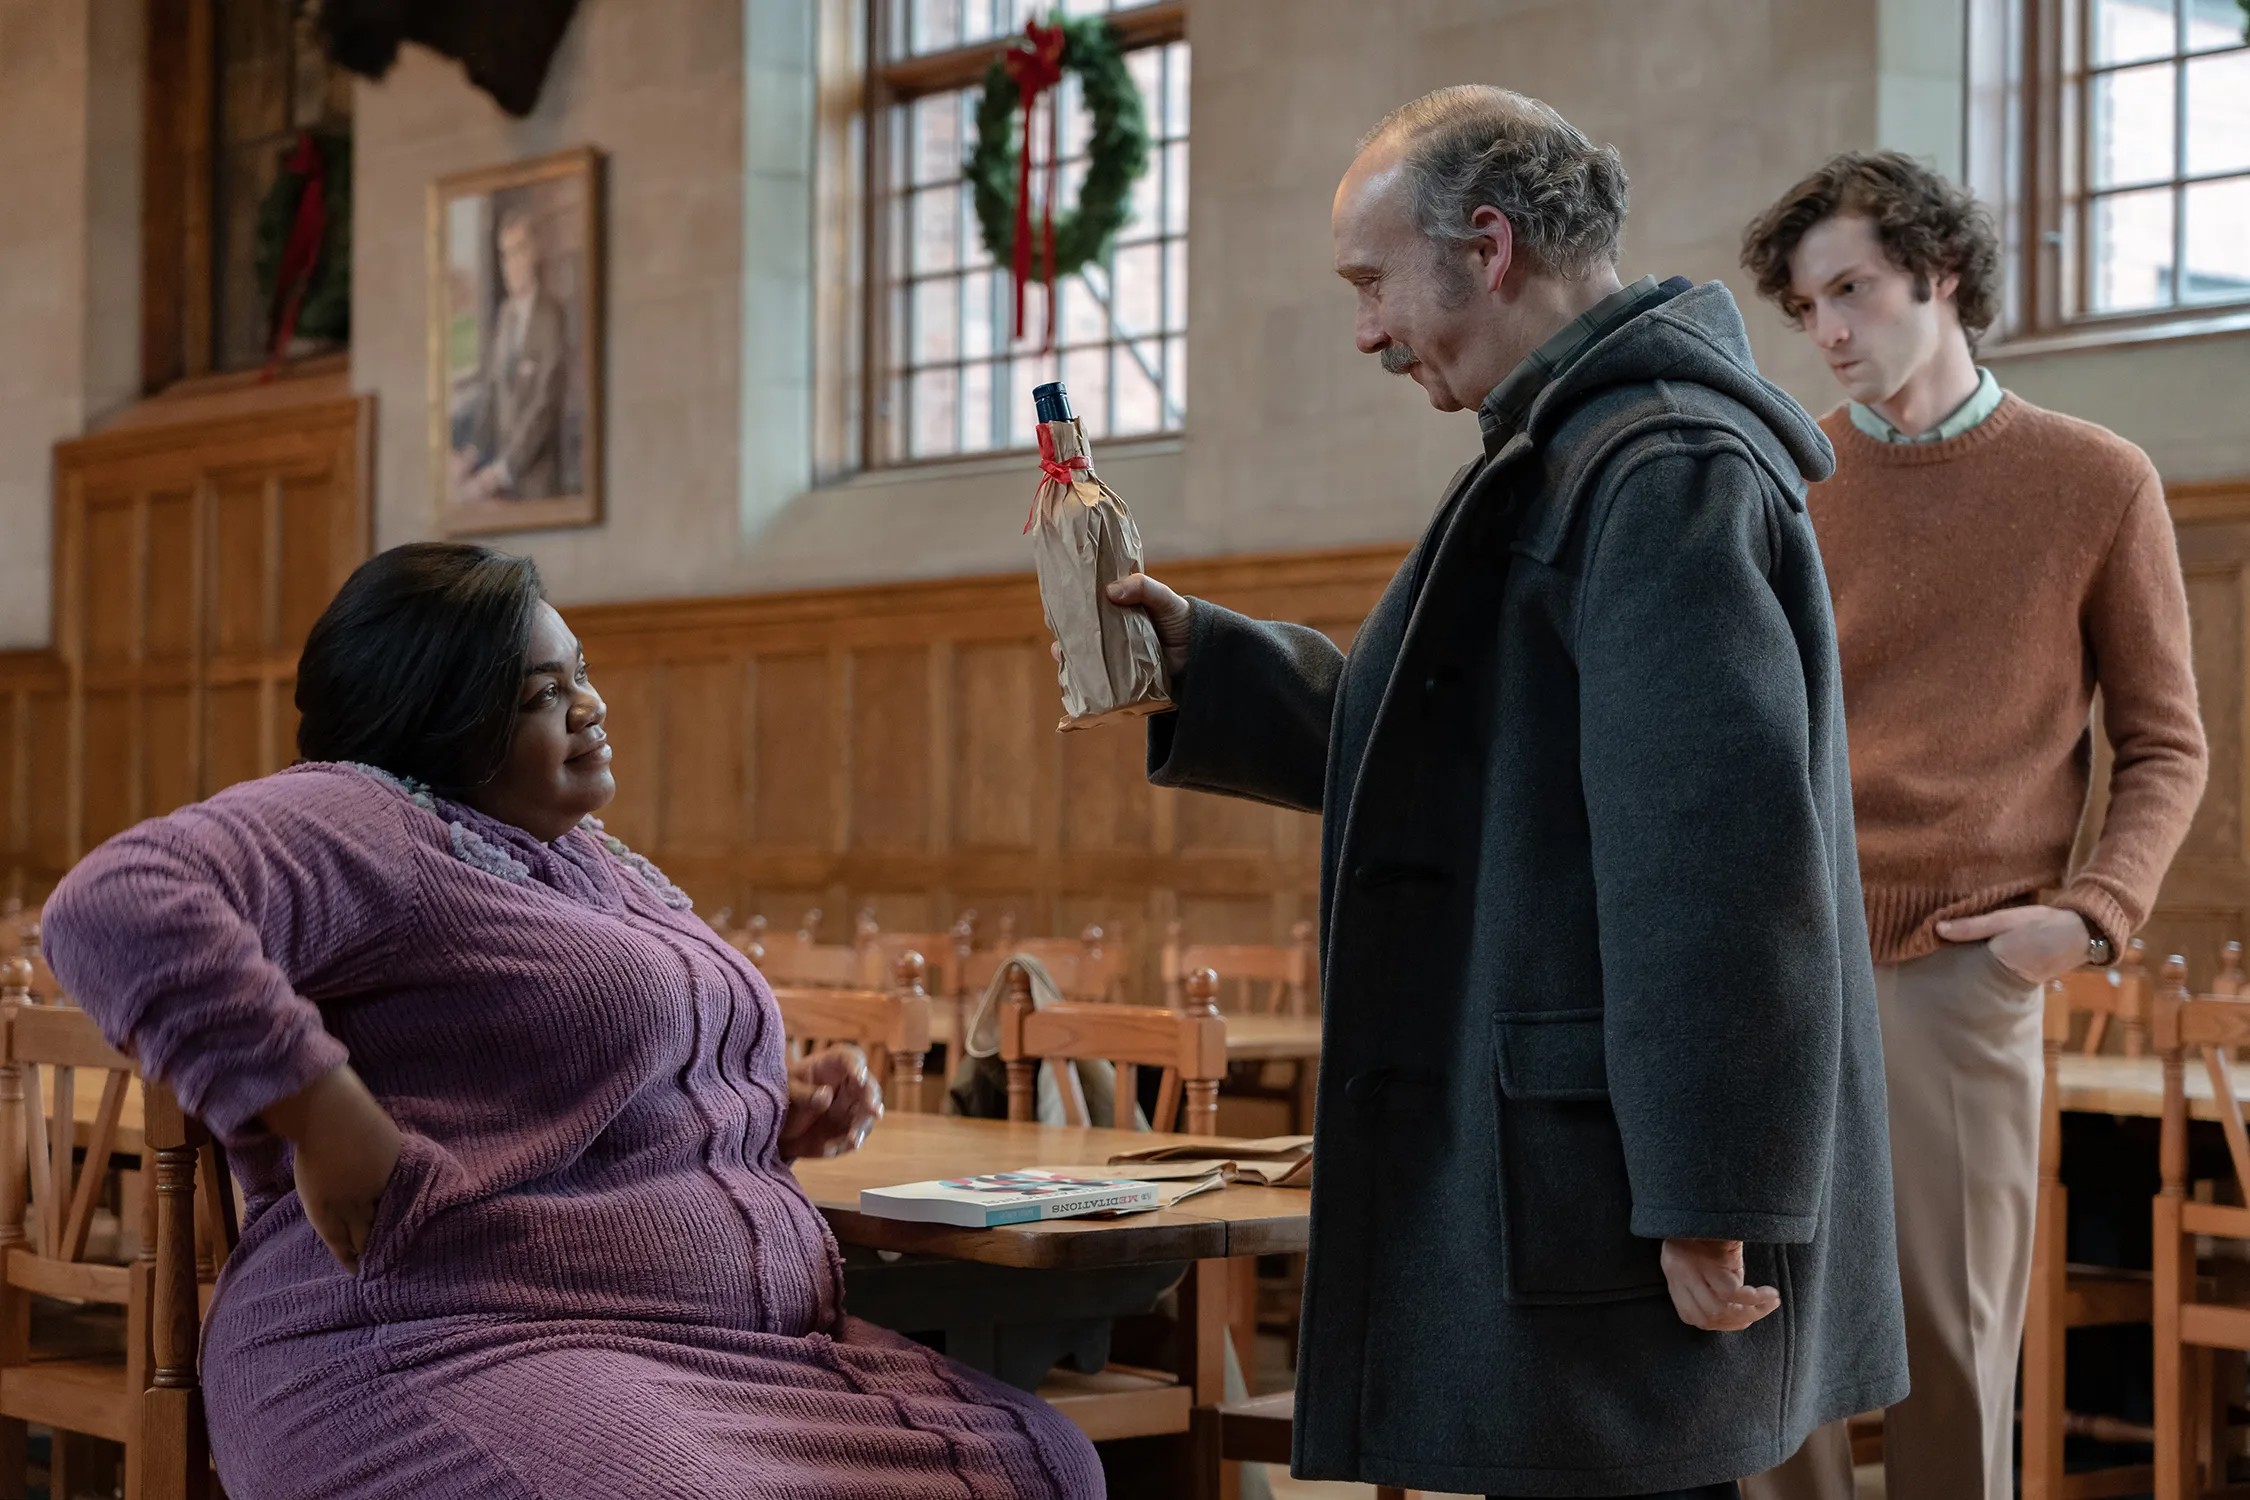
2217 323
1006 461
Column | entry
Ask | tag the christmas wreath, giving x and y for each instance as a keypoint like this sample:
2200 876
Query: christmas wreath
303 250
999 169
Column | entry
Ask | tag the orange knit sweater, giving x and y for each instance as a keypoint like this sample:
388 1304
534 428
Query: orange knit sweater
1984 587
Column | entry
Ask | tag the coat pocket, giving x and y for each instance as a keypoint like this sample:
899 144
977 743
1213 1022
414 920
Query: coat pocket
1565 1201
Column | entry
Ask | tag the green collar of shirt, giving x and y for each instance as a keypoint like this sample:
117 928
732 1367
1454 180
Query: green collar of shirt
1502 413
1982 403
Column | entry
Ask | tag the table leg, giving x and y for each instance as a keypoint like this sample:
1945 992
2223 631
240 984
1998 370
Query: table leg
1203 1342
1242 1317
1203 1331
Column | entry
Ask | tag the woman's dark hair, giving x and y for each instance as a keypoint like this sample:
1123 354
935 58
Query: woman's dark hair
1927 226
415 664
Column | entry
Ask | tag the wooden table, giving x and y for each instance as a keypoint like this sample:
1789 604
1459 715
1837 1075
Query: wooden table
1216 1231
1273 1039
1219 1225
2135 1086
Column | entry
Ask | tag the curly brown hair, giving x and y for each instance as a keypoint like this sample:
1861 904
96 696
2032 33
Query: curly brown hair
1926 225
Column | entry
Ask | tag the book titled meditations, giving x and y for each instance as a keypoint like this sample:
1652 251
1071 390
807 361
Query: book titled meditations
1009 1198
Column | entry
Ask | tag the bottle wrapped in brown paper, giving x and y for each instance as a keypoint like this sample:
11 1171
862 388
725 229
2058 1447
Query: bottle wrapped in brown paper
1083 540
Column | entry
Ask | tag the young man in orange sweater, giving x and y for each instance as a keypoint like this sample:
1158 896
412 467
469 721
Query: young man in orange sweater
1991 564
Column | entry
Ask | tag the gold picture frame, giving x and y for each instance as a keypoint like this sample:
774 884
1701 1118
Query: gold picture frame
516 274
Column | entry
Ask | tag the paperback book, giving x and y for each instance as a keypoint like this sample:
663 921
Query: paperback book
998 1198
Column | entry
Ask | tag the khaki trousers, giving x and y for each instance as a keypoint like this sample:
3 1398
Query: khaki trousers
1961 1052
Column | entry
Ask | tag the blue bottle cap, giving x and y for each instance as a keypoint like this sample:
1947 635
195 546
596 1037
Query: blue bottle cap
1051 402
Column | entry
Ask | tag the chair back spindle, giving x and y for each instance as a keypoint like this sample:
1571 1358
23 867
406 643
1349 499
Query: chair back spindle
2231 981
1188 1046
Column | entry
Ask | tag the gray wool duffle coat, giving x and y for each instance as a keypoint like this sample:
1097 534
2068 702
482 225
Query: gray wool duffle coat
1595 968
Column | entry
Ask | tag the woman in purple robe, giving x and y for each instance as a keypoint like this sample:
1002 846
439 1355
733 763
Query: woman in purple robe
513 1124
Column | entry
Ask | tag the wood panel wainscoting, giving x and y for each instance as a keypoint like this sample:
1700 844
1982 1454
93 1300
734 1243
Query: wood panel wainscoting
890 747
894 747
34 769
196 542
2206 897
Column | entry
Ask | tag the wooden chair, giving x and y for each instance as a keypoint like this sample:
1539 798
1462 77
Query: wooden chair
2190 1321
1085 968
1191 1049
1259 1429
802 960
2230 982
19 931
195 1230
2064 1296
1265 979
141 1393
1259 979
893 1028
944 953
748 939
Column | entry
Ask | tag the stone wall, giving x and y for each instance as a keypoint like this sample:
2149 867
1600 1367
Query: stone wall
69 262
705 108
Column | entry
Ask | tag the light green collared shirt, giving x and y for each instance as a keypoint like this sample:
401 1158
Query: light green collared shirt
1982 403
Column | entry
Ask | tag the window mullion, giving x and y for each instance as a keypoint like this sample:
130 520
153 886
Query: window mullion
2179 160
912 314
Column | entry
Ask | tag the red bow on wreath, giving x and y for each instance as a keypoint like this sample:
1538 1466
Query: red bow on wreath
1034 66
300 254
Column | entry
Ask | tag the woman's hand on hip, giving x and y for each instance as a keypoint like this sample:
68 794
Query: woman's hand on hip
345 1147
833 1104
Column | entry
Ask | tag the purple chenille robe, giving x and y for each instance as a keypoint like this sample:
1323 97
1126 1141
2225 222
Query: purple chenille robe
591 1277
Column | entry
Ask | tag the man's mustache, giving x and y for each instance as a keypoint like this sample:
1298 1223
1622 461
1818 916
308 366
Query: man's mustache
1397 358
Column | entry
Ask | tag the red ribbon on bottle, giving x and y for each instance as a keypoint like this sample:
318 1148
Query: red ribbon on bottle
1035 67
300 253
1063 471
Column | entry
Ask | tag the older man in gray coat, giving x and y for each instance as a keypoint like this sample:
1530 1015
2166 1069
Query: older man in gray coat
1602 1195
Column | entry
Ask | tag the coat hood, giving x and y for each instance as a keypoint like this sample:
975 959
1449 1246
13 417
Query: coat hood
1694 338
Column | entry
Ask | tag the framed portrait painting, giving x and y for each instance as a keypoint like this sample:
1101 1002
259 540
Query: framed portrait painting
515 345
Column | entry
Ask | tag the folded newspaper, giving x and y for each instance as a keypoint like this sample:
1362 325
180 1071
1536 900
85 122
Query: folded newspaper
1275 1161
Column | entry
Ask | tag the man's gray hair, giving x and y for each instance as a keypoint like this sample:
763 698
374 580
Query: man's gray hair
1474 145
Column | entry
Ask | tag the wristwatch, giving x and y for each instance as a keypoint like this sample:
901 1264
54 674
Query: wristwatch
2100 952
